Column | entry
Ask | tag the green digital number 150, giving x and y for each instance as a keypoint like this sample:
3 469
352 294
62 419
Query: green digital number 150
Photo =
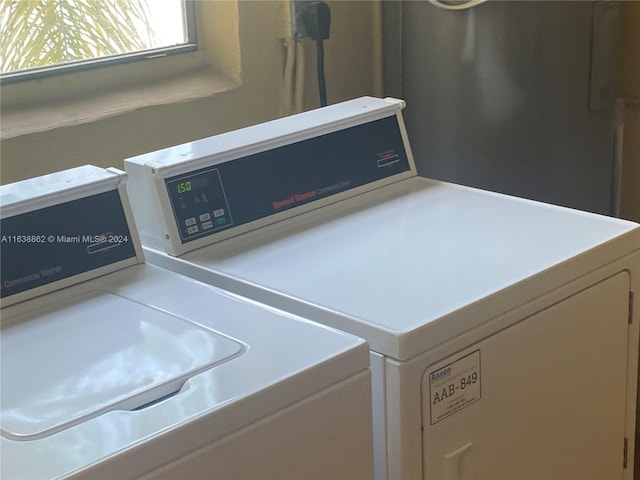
184 187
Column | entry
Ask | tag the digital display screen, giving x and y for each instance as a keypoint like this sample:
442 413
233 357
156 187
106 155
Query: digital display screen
194 183
183 187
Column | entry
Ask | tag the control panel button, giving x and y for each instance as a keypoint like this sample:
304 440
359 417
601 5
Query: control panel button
218 213
207 225
221 220
193 229
204 217
190 221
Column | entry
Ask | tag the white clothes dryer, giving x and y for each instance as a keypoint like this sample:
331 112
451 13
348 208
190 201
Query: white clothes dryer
112 368
503 332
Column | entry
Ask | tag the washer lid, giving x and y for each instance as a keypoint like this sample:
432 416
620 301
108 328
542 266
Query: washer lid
94 353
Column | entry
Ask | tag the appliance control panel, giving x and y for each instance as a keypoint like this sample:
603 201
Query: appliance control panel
57 236
242 190
198 193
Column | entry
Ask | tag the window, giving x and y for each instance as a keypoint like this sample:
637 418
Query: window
46 37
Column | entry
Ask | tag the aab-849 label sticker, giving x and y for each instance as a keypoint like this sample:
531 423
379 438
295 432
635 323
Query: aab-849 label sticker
455 386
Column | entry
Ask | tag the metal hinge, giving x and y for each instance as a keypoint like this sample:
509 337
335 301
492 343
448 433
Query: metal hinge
624 455
630 308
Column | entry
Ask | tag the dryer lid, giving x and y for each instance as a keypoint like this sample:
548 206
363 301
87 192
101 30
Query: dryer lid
411 265
65 363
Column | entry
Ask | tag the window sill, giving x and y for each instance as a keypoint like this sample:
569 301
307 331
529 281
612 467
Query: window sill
23 119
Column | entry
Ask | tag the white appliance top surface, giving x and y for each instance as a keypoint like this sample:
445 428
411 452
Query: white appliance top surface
390 263
77 364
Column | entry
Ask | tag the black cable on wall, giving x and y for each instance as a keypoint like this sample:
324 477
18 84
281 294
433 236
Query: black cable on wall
317 19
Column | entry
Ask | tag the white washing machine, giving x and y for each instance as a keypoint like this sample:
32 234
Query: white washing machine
503 332
112 368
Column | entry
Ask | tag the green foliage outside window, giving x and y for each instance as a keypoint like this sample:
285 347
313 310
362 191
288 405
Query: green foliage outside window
38 33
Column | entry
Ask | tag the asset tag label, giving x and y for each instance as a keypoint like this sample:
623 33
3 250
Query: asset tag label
455 386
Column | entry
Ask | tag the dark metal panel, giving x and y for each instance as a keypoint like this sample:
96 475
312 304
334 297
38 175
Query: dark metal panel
498 98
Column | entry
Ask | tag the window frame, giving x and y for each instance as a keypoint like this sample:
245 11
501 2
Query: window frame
39 73
86 97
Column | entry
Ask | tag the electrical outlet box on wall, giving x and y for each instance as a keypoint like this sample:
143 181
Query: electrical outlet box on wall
298 28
